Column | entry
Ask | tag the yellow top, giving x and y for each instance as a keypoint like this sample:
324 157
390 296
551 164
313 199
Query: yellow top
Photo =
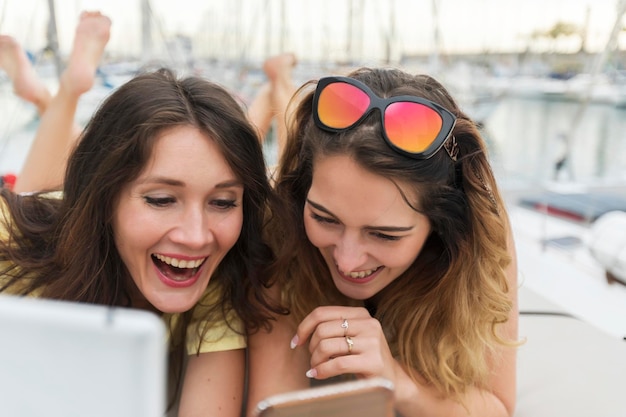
219 336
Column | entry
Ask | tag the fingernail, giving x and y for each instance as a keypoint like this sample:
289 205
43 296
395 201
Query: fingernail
311 373
294 342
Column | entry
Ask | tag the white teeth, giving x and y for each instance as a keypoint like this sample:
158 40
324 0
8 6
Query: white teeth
180 263
362 274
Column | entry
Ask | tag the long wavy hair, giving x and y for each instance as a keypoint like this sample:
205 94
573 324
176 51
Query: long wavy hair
64 248
440 317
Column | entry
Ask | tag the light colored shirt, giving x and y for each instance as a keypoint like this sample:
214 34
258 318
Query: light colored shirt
220 336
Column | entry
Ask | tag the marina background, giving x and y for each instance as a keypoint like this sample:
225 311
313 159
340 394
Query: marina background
326 29
529 72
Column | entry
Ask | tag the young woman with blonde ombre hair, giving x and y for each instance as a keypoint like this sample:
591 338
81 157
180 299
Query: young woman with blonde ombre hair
397 260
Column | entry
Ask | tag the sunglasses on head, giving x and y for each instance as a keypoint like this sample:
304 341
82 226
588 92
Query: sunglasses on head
413 126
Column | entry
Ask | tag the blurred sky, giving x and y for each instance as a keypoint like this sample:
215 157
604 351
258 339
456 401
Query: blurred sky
319 29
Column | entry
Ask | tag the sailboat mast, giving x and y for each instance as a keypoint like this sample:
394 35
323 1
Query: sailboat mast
349 29
391 33
435 58
146 31
283 27
267 14
597 68
53 38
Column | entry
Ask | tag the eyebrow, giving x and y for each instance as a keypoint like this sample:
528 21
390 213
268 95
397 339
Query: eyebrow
378 228
229 184
178 183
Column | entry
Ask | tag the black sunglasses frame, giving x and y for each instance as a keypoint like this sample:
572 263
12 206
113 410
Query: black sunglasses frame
376 102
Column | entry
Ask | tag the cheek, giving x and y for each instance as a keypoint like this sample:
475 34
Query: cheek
402 259
228 229
122 236
315 233
405 255
128 243
134 232
136 229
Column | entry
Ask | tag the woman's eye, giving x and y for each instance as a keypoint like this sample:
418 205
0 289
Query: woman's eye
224 204
383 236
159 201
322 219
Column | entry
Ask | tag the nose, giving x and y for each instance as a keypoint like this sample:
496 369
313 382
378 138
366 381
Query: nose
193 229
350 253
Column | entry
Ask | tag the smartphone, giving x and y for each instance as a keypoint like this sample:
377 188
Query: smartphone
363 398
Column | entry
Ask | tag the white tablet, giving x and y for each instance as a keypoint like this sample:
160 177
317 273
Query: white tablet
63 359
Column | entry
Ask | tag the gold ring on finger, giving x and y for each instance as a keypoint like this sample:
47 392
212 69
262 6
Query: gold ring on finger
350 344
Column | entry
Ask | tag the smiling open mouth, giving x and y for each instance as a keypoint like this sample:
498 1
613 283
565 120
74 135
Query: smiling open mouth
361 274
177 269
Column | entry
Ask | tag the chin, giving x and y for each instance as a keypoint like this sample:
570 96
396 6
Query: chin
175 309
353 293
174 306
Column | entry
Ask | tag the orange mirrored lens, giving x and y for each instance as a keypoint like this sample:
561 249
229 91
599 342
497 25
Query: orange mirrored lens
412 127
341 105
